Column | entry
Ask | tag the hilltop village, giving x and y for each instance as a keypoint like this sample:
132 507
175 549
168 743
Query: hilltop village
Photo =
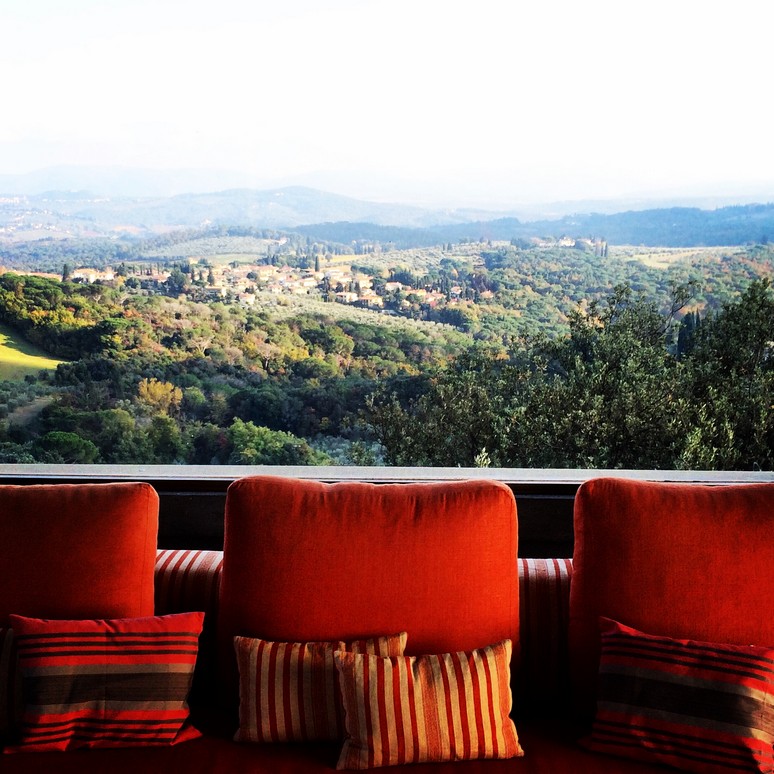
242 282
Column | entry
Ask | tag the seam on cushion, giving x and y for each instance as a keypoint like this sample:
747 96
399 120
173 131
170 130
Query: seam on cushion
143 592
515 611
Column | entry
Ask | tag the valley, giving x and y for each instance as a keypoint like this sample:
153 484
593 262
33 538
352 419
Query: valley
242 344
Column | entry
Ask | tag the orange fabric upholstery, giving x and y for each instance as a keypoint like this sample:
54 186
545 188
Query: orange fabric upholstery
188 580
676 560
308 561
77 551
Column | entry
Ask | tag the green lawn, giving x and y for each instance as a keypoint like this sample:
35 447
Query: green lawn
18 358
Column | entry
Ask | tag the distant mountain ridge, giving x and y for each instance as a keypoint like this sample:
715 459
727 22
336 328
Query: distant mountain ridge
332 217
669 227
270 208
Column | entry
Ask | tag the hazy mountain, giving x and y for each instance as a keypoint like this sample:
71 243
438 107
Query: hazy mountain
323 215
352 196
668 227
274 208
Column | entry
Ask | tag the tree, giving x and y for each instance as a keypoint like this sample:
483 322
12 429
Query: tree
460 413
606 396
166 441
176 282
255 445
160 397
730 386
69 448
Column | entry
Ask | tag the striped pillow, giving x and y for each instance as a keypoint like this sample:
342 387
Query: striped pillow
427 708
105 683
698 706
288 691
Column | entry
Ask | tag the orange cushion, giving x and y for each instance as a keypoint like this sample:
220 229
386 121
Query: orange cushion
685 561
306 561
77 551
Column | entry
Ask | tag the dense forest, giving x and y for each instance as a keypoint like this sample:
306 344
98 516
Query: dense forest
558 356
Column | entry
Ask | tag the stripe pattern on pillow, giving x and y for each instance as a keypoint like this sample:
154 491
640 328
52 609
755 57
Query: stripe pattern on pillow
701 707
105 683
411 709
289 691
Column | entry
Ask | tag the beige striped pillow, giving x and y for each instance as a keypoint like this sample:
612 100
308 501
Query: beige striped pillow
289 691
411 709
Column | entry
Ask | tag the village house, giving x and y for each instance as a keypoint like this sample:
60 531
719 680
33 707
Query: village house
91 276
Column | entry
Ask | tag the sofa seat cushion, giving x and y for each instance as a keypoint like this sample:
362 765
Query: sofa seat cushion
549 749
73 551
306 561
77 550
681 560
554 747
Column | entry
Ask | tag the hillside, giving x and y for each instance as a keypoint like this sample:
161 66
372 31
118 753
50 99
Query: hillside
157 377
18 358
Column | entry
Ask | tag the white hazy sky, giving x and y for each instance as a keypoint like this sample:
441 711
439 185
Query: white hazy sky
467 100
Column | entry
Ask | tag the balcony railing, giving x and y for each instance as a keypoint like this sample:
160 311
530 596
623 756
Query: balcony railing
193 497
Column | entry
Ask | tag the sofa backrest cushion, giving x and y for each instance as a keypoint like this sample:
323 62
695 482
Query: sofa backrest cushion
308 561
676 560
77 550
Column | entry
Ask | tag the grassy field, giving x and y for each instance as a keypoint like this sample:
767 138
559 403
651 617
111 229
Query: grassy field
18 358
664 257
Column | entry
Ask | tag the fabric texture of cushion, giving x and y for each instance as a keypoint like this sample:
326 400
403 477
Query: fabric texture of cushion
698 706
411 709
10 694
685 561
77 551
355 559
290 691
105 683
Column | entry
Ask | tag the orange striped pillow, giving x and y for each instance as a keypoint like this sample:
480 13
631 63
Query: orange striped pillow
411 709
289 691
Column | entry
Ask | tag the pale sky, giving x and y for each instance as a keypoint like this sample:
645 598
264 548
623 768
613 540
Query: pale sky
462 100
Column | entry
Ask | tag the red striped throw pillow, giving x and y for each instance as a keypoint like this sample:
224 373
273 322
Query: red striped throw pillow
427 708
288 691
105 683
698 706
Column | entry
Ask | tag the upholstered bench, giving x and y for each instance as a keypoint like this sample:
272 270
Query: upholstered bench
308 562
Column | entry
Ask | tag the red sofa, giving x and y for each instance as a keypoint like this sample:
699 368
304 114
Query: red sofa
305 561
